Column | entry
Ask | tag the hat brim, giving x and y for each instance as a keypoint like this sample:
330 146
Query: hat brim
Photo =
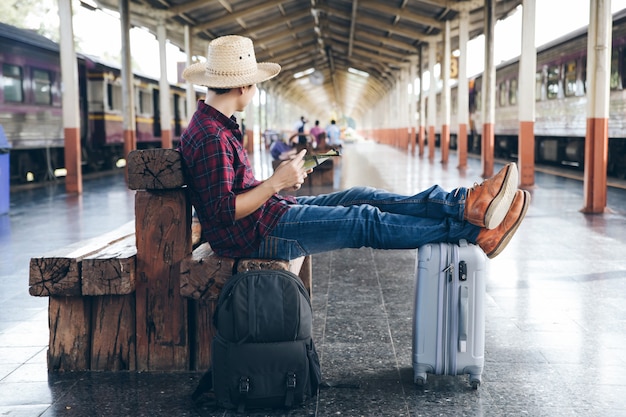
197 74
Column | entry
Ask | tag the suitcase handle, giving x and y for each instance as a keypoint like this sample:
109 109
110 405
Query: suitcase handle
463 318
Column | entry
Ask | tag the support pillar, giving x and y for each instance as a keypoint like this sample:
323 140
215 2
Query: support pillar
598 76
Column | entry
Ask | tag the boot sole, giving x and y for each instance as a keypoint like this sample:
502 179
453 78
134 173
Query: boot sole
509 234
499 206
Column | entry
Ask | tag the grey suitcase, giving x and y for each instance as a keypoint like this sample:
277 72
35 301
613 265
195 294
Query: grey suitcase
449 317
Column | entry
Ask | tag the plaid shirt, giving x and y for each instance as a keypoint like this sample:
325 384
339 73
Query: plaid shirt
218 170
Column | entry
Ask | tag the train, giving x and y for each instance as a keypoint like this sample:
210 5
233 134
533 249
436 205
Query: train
560 107
31 110
31 116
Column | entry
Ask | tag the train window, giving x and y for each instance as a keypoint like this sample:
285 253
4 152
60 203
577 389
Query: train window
615 78
570 78
513 92
116 104
538 85
114 97
502 94
42 86
145 102
554 77
12 83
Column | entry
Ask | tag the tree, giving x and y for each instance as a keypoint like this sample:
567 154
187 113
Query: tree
39 15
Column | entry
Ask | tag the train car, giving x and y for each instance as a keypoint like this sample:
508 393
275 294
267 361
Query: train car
30 99
105 113
31 108
560 107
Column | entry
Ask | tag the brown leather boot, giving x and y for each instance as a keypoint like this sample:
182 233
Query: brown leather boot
492 242
487 203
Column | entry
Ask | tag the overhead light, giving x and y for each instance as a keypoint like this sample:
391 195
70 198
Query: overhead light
358 72
303 73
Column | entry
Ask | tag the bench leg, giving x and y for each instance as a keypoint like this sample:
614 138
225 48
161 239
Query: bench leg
163 233
69 319
113 333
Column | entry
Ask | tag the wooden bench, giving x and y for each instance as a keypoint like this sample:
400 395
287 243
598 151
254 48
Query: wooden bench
140 297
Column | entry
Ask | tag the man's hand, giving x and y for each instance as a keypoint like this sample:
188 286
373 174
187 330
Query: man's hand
290 174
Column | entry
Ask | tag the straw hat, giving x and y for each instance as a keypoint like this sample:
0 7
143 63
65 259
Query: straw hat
230 63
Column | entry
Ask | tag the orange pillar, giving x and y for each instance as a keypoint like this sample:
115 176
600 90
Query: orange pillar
74 176
487 148
445 143
597 137
166 138
461 143
596 151
526 158
431 142
130 141
71 113
462 90
489 92
421 140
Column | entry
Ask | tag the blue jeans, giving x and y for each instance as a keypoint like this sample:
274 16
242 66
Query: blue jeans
368 217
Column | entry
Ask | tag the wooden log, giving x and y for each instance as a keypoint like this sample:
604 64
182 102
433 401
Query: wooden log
163 233
70 329
113 333
155 169
59 272
202 331
203 273
111 270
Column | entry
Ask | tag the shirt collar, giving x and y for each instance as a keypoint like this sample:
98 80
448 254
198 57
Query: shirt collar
210 111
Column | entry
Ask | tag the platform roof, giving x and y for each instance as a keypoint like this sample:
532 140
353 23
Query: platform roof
331 37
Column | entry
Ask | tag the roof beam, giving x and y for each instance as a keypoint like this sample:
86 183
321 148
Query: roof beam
237 15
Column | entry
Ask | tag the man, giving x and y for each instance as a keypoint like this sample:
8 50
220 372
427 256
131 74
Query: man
244 217
316 131
333 134
299 127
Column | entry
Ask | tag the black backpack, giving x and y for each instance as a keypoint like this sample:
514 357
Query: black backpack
263 355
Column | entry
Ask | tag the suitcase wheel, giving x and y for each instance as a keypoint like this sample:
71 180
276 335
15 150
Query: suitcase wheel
475 381
420 379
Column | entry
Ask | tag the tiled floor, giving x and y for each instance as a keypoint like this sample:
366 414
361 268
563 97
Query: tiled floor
555 314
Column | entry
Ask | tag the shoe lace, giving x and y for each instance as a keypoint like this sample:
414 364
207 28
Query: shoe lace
469 190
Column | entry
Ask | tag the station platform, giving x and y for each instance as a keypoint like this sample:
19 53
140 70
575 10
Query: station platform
555 311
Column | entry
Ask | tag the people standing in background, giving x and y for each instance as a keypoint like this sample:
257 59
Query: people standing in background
315 132
333 134
300 129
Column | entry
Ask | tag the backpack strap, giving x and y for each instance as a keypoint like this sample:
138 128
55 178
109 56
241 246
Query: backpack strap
244 388
291 388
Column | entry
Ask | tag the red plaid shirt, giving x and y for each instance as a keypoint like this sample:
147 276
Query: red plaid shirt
218 170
